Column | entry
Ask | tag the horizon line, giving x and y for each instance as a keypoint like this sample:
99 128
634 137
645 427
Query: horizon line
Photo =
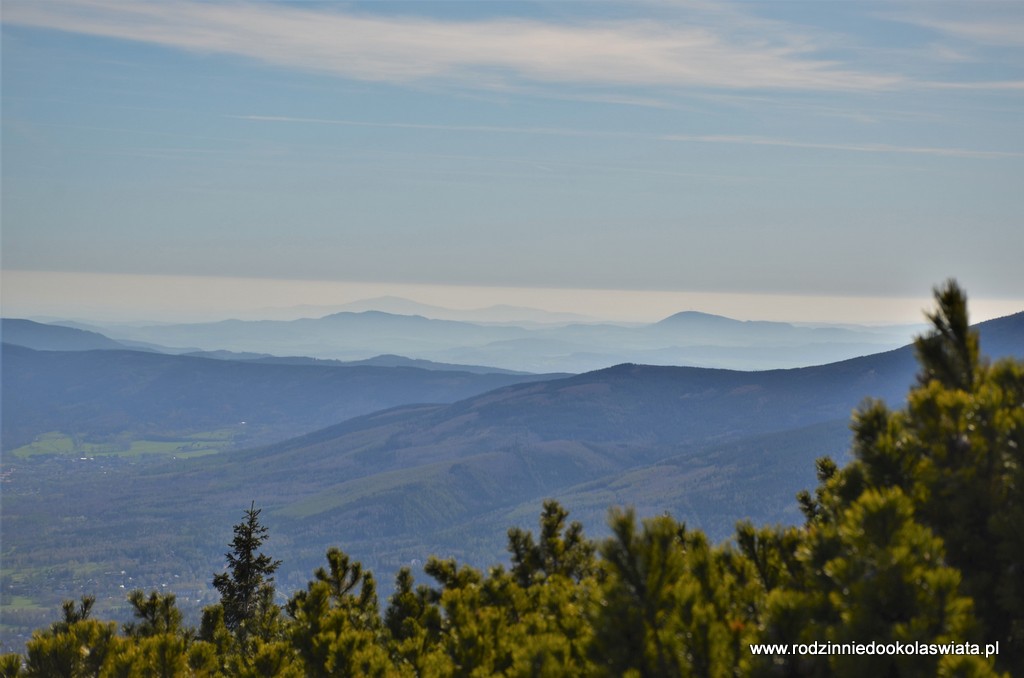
146 296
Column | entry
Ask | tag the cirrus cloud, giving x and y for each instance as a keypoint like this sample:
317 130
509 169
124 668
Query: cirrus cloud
638 53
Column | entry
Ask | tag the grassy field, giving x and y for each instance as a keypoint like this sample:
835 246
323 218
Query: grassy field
194 445
22 603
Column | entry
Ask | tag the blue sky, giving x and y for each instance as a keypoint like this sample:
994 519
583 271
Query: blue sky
781 149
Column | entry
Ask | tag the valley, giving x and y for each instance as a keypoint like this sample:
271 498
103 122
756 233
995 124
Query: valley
144 489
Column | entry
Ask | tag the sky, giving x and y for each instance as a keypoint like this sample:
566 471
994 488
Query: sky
771 160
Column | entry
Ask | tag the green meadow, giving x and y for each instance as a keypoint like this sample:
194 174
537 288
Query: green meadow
193 445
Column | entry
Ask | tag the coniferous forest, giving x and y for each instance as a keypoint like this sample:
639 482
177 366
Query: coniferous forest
918 543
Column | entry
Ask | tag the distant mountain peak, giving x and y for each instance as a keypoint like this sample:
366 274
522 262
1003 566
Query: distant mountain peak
371 314
697 317
496 313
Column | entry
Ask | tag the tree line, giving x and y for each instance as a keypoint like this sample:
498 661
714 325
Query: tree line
918 541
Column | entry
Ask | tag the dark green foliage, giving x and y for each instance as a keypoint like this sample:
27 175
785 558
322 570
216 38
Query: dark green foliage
247 588
879 575
409 611
157 615
413 621
955 454
336 627
11 666
771 552
643 595
73 615
561 550
949 353
671 604
250 576
54 654
214 632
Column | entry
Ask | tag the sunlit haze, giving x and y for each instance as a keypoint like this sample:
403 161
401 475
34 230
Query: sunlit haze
191 298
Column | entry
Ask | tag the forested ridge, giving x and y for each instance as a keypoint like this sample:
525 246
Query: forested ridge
920 539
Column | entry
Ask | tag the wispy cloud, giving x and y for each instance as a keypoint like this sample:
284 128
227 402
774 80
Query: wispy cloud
991 85
851 147
693 138
682 54
555 131
1006 32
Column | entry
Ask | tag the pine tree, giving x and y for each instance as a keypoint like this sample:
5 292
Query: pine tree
413 621
561 549
337 629
956 452
949 353
75 646
247 589
157 614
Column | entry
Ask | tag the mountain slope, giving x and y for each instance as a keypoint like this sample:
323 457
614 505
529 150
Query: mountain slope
114 392
405 469
43 337
394 486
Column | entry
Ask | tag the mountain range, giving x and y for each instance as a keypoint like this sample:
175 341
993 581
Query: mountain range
710 446
499 314
687 338
121 395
